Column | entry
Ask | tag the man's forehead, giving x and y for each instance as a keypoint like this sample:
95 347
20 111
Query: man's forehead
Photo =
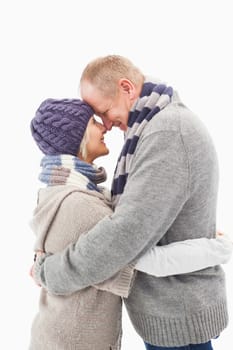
87 90
94 97
99 105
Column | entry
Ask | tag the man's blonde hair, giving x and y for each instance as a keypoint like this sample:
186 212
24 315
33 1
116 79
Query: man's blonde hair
105 72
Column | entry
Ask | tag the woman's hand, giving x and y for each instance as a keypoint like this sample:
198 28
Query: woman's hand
36 256
220 234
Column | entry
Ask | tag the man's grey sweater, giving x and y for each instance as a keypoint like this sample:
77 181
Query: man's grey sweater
170 195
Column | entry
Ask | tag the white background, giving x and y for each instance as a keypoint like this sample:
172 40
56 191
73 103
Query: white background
44 47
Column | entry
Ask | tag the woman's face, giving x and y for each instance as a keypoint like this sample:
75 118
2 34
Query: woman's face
95 146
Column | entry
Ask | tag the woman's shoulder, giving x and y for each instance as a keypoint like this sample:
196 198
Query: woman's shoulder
71 201
85 201
83 210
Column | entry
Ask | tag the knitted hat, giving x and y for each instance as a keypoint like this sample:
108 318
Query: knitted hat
59 125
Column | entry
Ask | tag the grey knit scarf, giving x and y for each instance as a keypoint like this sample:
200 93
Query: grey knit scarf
153 98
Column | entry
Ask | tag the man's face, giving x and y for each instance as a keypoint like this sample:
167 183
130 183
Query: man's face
114 111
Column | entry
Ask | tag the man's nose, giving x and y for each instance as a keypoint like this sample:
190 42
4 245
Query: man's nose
107 123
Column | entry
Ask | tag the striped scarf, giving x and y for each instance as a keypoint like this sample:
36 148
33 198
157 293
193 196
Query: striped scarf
67 169
153 98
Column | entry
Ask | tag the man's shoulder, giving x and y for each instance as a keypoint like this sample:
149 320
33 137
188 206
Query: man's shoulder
175 117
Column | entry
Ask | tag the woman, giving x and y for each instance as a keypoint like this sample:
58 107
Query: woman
72 203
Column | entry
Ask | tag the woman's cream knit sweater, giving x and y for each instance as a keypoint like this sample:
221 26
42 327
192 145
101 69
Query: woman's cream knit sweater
91 318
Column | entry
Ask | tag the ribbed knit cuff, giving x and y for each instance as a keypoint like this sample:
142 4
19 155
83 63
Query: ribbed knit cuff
121 283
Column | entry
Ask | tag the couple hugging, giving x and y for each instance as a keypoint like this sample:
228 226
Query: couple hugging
151 242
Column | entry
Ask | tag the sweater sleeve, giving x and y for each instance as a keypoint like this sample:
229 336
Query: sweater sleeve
121 283
155 192
185 256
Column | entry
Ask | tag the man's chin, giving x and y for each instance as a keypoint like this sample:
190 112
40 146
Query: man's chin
120 126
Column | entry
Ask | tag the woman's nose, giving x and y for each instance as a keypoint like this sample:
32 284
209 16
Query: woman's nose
103 128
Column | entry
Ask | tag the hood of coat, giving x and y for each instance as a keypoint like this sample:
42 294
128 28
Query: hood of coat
48 203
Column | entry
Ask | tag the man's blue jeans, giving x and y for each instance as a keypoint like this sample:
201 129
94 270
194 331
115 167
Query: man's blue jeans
204 346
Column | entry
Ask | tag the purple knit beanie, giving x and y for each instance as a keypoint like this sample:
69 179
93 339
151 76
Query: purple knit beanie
59 125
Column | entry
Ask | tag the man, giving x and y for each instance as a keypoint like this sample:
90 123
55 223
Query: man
164 190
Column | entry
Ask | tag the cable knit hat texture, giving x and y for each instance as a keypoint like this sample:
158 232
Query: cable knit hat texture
59 125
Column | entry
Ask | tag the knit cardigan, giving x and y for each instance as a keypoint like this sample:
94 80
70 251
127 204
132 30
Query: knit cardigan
89 319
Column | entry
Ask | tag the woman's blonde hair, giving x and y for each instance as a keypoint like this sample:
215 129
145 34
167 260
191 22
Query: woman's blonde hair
83 146
105 72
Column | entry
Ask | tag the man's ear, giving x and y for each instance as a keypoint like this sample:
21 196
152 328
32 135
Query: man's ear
127 87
